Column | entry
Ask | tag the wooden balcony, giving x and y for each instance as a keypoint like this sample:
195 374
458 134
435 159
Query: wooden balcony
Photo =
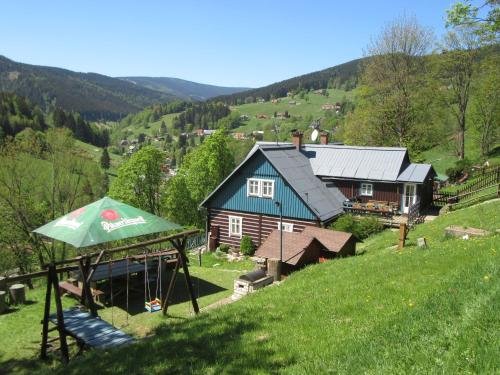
377 208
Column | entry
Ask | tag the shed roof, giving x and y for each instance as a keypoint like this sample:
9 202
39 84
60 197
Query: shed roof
416 173
295 244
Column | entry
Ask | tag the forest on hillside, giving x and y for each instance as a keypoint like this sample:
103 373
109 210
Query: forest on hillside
17 114
94 96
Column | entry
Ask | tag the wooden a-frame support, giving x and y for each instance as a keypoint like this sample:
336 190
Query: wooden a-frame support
180 246
87 269
53 283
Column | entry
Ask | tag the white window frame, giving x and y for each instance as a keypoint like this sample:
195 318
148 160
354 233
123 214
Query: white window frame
230 229
249 183
271 182
287 227
260 188
366 189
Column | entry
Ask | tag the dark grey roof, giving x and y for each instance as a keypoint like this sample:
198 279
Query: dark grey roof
353 162
416 173
294 166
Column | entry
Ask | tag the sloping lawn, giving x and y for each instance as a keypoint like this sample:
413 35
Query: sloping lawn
20 329
383 312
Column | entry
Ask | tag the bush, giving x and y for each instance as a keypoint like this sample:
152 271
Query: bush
460 167
361 228
224 247
246 246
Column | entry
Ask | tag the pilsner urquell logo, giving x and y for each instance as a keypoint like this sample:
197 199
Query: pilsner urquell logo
112 215
69 221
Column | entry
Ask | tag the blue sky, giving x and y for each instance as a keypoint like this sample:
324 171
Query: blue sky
233 43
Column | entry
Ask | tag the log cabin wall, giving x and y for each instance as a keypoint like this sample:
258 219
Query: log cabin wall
257 226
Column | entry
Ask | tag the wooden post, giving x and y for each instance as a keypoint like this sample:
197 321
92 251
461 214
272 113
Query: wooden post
46 313
274 268
60 316
171 286
402 235
3 283
3 303
87 298
180 246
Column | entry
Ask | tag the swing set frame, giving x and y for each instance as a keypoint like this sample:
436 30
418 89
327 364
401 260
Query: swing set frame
87 267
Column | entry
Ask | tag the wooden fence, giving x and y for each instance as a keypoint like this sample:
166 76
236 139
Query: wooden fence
414 215
485 180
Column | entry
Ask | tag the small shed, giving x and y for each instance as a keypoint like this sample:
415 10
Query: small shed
312 245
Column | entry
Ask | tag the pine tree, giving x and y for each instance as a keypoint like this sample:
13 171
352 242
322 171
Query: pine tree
105 160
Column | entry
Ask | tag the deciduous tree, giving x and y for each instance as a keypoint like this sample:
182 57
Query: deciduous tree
139 180
485 106
393 79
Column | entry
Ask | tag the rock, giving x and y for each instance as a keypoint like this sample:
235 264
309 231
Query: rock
421 242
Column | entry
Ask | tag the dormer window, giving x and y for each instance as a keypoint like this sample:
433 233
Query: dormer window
257 187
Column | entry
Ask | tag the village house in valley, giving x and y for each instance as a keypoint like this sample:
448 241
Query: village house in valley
309 185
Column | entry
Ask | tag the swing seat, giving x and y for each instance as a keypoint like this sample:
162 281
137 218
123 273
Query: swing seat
153 306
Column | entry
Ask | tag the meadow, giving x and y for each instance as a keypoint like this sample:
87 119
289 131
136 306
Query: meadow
419 311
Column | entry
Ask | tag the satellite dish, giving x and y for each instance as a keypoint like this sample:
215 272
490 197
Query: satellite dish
314 135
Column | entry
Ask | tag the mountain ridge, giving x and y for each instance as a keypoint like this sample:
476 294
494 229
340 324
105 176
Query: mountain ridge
182 88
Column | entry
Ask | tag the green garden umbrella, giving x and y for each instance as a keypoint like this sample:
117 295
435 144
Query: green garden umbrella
103 221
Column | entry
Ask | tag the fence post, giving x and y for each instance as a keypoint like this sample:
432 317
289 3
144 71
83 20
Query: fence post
402 235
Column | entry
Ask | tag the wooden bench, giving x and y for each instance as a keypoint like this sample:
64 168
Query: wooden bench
67 287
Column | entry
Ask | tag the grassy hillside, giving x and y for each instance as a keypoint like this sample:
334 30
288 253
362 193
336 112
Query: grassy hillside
183 89
94 153
343 76
95 96
381 312
301 114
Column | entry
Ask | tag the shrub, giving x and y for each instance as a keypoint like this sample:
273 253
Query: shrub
224 247
246 246
460 167
361 228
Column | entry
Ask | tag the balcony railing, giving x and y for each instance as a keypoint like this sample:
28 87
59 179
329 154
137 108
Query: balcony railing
385 209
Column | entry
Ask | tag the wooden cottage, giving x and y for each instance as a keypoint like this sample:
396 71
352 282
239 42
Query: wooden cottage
310 185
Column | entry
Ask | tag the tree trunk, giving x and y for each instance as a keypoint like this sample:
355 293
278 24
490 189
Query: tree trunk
461 138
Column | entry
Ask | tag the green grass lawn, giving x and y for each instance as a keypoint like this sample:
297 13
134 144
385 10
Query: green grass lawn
20 329
416 311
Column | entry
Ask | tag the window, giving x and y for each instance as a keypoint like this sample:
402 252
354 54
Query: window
235 226
267 188
257 187
287 227
253 187
367 189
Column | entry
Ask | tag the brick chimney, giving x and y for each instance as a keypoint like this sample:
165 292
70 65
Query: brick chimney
297 139
323 138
